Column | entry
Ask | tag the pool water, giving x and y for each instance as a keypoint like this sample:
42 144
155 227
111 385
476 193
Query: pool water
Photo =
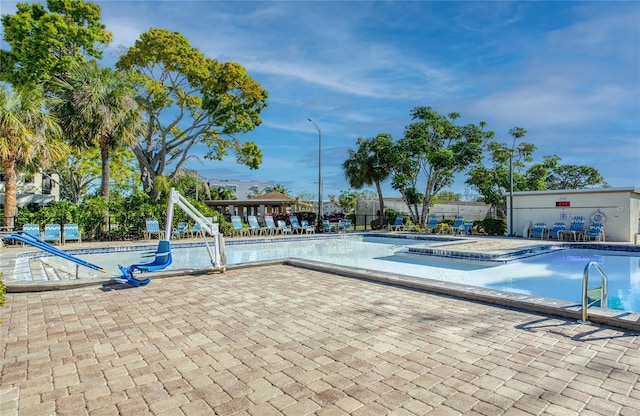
556 274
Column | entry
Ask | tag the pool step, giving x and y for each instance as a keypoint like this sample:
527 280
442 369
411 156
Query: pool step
42 271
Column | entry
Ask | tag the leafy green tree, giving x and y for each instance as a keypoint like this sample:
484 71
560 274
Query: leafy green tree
96 108
188 100
223 194
45 43
349 199
444 197
574 177
280 188
191 184
30 138
369 164
434 147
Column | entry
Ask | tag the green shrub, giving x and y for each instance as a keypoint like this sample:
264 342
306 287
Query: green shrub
3 289
494 226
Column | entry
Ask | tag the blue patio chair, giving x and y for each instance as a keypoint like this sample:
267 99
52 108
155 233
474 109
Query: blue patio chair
283 228
153 229
32 229
52 232
270 225
344 225
238 227
196 230
464 229
539 230
295 224
595 232
254 226
433 224
71 232
397 225
576 228
557 230
458 222
328 228
181 230
307 228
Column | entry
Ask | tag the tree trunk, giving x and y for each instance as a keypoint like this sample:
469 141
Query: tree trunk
382 218
106 172
10 193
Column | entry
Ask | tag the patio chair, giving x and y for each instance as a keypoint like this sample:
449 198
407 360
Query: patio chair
32 229
52 232
328 228
295 224
557 230
539 230
433 224
270 225
237 227
458 223
283 228
181 230
254 226
71 232
307 228
344 225
595 232
153 229
576 228
464 229
397 225
196 230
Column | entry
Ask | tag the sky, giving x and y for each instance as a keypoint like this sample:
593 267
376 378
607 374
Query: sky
567 72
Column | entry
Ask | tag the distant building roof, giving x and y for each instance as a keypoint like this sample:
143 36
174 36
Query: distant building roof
273 196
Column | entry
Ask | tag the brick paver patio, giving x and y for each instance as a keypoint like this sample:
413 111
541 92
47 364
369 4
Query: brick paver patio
280 340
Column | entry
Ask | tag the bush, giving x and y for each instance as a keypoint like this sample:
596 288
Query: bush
494 226
3 289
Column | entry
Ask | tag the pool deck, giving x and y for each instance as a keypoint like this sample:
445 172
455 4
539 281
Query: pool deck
286 339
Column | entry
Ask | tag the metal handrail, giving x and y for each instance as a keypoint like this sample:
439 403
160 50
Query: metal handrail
585 289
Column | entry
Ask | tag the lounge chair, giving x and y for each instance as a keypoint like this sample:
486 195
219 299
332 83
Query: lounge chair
153 229
270 224
181 230
255 227
458 223
539 230
283 228
71 232
576 228
433 224
464 229
397 225
32 229
237 227
595 232
52 232
557 230
196 230
295 224
344 225
307 228
328 228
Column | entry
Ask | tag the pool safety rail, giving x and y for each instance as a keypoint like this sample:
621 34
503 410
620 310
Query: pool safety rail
592 296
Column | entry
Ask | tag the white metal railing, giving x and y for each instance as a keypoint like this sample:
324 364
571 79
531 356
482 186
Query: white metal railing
594 295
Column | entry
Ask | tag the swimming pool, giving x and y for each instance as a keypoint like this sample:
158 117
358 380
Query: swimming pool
557 273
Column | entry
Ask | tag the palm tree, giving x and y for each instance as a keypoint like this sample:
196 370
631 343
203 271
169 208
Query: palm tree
29 139
96 107
369 165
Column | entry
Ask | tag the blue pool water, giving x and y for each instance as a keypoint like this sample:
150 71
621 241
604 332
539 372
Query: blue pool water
556 274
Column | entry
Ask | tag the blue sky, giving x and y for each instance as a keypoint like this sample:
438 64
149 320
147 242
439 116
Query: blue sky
567 72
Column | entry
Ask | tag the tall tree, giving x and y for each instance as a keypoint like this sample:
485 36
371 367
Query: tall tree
96 107
434 147
29 138
279 188
369 164
574 177
45 43
189 99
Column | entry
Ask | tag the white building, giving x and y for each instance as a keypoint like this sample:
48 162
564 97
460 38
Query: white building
242 190
619 207
38 188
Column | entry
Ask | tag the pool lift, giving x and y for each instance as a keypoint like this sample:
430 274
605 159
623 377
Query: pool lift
162 254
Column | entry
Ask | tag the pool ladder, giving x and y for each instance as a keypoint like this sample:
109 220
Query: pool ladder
592 296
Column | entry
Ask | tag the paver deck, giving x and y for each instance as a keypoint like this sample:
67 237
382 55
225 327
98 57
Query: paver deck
281 340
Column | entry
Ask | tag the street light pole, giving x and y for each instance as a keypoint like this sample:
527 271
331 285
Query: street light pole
511 233
319 224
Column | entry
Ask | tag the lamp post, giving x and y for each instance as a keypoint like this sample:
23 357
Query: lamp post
319 225
520 149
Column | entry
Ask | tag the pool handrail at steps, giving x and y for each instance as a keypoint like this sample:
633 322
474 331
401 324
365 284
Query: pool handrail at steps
585 290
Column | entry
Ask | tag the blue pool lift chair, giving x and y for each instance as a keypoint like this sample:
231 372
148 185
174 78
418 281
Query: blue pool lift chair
71 232
161 261
52 233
